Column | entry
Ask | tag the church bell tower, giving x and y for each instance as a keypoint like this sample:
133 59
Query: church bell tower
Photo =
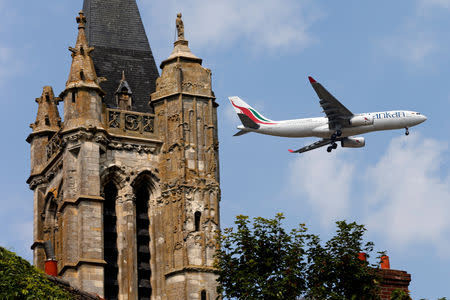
188 217
126 186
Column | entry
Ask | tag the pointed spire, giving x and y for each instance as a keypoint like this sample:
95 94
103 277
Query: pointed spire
181 46
116 30
47 116
82 72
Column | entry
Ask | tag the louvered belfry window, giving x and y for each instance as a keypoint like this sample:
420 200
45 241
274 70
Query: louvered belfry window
110 242
143 240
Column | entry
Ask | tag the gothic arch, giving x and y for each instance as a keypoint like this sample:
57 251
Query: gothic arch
50 220
147 178
113 174
144 190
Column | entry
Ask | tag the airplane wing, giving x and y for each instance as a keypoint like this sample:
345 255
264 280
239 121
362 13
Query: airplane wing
313 146
337 114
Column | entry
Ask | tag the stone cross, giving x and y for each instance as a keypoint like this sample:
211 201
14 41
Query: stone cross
81 20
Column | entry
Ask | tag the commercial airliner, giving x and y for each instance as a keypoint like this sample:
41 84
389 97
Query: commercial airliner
338 125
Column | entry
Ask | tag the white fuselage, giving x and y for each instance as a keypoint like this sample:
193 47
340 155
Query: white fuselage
318 127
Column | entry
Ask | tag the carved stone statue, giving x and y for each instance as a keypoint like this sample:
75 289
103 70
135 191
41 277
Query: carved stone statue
180 27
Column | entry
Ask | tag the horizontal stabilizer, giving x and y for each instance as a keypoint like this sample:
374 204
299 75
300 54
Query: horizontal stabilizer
241 132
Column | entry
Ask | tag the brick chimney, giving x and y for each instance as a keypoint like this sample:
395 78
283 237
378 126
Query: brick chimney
391 280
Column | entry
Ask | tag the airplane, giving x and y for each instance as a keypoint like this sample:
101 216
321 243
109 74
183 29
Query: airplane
338 125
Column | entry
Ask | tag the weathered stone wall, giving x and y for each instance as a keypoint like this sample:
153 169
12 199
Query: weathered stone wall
187 215
123 167
153 179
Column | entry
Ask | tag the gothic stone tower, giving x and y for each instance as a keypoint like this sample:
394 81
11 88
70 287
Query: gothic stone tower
188 217
127 189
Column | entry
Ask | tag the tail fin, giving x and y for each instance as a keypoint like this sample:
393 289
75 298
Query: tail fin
250 118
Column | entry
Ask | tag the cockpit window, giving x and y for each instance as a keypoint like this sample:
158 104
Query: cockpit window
418 114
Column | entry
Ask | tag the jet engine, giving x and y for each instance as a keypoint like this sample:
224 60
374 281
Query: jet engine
353 142
361 121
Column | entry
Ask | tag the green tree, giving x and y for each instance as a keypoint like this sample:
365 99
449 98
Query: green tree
335 271
20 280
400 295
261 260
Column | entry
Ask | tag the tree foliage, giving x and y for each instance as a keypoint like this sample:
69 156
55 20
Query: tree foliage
398 294
20 280
263 263
261 260
335 271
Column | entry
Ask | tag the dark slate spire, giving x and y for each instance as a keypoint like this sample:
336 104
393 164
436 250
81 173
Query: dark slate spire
114 28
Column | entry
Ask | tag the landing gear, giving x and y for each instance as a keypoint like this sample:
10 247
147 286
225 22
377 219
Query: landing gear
331 147
407 131
333 138
337 134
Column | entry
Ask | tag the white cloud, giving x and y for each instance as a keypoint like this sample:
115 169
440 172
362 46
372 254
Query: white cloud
427 4
404 197
409 200
324 181
267 24
411 45
417 41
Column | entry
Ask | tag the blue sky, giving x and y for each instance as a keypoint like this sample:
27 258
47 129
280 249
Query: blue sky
372 56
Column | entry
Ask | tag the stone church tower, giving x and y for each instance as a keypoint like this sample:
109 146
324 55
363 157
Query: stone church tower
126 186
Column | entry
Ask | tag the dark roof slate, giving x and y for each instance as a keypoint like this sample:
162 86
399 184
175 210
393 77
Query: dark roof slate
114 28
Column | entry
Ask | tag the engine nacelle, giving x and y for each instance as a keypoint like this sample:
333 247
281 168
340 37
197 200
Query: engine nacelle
353 142
361 121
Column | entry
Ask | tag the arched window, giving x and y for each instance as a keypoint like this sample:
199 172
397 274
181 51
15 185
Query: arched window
50 221
203 295
197 216
142 193
110 242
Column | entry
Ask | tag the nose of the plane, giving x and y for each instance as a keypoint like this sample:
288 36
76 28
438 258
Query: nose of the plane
423 118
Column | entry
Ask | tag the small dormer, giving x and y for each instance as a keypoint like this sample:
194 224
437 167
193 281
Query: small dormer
124 94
